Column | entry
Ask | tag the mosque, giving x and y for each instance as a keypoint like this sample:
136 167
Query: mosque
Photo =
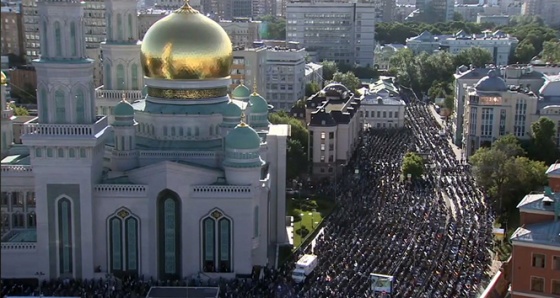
183 182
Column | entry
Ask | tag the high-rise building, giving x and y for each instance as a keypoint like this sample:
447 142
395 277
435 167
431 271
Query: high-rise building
94 18
341 32
12 31
549 10
437 10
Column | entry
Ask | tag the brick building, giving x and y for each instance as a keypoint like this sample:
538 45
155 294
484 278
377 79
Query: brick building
536 244
12 31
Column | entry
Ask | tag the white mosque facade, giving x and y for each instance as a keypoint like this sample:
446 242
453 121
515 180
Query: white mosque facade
183 181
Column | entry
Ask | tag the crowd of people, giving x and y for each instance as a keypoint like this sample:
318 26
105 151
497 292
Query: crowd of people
432 233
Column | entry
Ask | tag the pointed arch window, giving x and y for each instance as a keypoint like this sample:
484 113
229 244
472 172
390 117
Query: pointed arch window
196 131
189 131
119 27
45 39
44 106
65 241
217 129
169 235
109 26
73 44
124 228
216 242
58 39
210 129
80 105
256 222
107 77
134 76
60 106
120 77
130 27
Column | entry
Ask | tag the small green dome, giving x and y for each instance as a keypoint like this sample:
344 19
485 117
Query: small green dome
258 104
123 109
232 110
241 91
243 137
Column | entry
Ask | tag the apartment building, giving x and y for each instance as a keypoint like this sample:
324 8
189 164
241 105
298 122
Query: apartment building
381 105
498 20
248 68
242 31
549 10
536 243
94 18
440 10
526 76
341 32
285 76
12 31
147 17
493 109
334 126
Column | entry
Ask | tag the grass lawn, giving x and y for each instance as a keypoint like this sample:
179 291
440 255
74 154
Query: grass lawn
310 219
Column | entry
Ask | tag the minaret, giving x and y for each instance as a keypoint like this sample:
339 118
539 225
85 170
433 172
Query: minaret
66 145
121 50
7 114
125 156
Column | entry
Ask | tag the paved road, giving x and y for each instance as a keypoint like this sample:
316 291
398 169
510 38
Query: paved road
458 151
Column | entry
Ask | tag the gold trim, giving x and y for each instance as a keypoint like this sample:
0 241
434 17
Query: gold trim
186 8
187 94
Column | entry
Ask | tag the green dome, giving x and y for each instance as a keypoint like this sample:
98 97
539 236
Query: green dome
243 137
232 110
123 109
241 91
258 104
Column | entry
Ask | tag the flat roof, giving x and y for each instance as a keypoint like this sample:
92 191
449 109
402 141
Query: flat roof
183 292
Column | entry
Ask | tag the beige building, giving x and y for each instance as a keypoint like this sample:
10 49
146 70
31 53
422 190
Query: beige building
381 105
248 66
242 31
494 109
12 31
334 126
549 10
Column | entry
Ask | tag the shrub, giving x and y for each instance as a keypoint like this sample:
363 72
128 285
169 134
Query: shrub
303 231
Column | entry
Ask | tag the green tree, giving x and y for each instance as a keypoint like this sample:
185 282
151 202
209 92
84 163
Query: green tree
413 164
19 111
543 141
551 51
311 88
524 52
329 69
274 27
347 79
449 103
476 56
297 159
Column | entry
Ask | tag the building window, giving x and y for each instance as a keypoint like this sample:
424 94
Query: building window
38 152
256 222
323 135
73 44
130 27
119 28
58 39
331 135
82 152
120 77
169 235
538 260
322 147
537 284
123 242
107 77
109 26
80 104
60 106
60 152
46 39
556 263
216 242
555 287
134 76
65 243
44 106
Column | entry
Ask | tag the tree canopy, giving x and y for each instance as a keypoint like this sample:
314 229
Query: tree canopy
297 161
329 69
273 27
551 51
19 111
413 164
347 79
311 88
543 145
505 173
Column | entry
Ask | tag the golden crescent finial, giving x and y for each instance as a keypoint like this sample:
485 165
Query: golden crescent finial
243 117
187 8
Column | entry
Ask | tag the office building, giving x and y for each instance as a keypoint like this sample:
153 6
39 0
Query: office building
12 31
249 68
285 76
334 126
437 10
242 31
340 32
549 10
185 181
381 105
498 20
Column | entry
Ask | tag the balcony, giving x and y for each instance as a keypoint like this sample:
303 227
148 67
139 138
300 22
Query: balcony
34 128
117 95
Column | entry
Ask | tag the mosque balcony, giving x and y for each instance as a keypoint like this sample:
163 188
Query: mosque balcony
230 191
33 128
117 95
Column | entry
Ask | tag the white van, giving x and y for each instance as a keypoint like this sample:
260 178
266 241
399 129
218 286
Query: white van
304 266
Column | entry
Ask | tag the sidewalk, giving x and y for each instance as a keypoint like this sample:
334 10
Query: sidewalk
458 151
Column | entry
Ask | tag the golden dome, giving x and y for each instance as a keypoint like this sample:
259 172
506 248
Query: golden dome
3 80
186 45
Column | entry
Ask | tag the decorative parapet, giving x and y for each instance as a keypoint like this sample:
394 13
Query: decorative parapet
221 191
121 189
117 95
177 154
16 168
33 128
18 246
